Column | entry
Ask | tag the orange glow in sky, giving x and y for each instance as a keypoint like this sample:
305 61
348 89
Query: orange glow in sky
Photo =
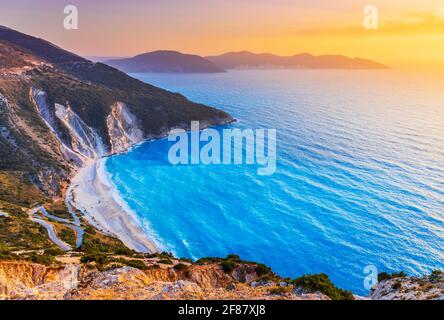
410 33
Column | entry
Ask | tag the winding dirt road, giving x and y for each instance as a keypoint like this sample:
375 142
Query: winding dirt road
50 228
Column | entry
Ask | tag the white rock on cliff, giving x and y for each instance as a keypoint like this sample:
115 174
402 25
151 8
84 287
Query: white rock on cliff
85 140
123 128
84 143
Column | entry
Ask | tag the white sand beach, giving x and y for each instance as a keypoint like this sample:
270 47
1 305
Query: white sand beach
92 193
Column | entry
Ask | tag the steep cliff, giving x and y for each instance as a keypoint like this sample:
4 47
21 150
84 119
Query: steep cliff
30 280
183 280
430 287
23 280
123 128
57 110
82 141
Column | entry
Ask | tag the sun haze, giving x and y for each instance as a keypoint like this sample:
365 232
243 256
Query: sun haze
410 33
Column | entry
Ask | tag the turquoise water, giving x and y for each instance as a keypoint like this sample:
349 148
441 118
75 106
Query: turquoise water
359 180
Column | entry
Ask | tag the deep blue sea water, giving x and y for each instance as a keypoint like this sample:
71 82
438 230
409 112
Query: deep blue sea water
359 180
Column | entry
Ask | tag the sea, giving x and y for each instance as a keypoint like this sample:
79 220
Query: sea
358 186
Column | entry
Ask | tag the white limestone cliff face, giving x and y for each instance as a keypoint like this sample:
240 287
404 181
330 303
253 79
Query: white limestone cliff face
123 128
85 143
39 98
85 140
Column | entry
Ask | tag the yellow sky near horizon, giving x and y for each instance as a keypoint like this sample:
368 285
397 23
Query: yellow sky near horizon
410 33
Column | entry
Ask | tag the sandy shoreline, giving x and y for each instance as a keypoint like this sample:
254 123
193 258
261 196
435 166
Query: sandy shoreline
91 192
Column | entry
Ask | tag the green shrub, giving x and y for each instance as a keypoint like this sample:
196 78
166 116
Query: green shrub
228 266
98 258
69 236
387 276
99 243
138 264
436 273
165 255
165 261
6 254
90 229
39 258
397 285
209 260
180 267
271 277
233 257
124 251
261 270
279 290
321 282
54 252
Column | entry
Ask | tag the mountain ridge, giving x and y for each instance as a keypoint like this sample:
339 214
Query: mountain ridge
249 60
165 61
168 61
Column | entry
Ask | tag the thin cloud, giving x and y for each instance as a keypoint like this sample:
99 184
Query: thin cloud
414 24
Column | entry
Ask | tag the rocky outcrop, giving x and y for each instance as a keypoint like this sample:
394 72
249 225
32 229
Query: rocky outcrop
123 128
22 280
430 287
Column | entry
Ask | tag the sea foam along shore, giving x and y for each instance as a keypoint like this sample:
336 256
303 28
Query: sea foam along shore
92 192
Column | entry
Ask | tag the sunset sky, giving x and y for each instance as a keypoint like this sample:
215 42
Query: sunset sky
410 34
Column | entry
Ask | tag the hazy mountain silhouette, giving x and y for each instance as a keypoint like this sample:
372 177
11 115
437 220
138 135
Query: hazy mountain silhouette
165 61
249 60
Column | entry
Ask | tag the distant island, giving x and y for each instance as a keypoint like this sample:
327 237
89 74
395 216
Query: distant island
165 62
249 60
